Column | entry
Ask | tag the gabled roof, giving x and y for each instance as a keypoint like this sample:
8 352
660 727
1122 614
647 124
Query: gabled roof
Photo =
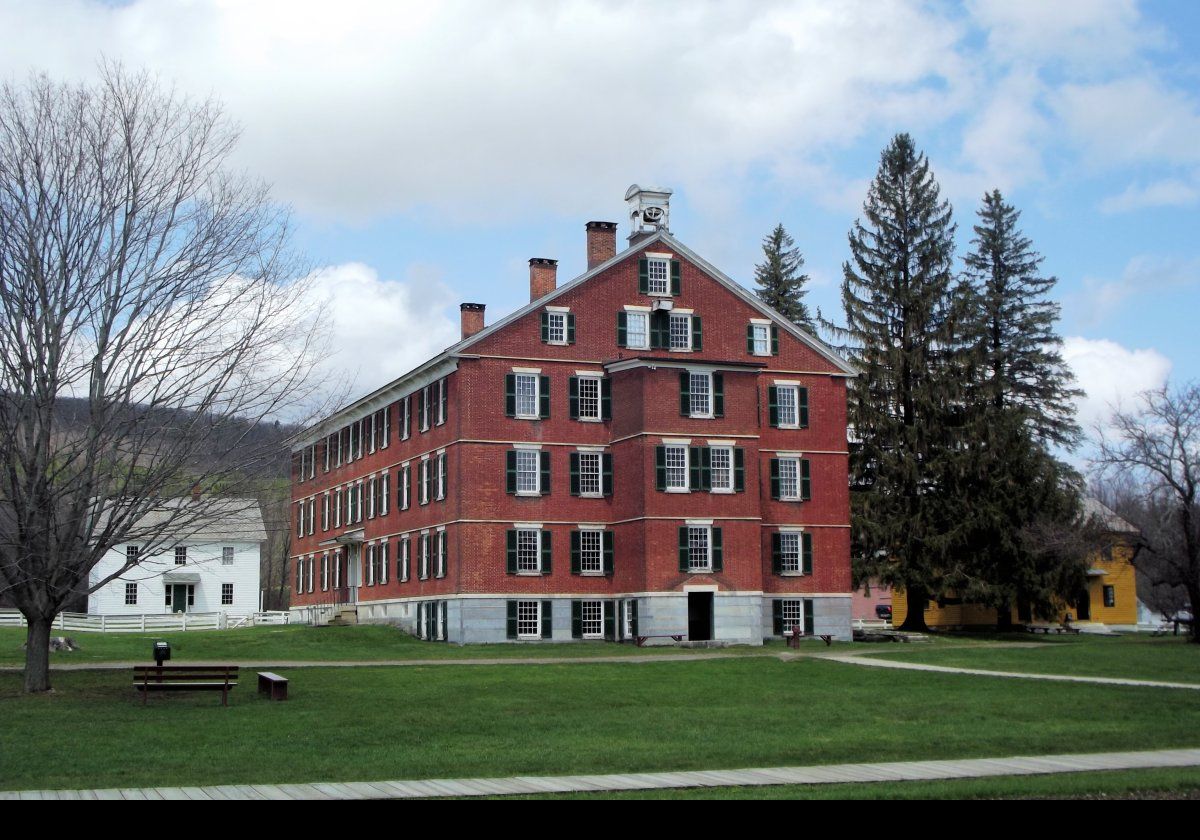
1108 518
462 348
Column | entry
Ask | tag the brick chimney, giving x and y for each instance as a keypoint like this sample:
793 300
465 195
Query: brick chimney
543 277
472 318
601 242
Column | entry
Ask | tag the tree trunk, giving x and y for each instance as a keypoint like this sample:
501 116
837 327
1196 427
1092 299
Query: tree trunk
1194 627
914 620
37 654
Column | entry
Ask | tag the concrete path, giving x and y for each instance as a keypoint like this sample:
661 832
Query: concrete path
895 771
873 662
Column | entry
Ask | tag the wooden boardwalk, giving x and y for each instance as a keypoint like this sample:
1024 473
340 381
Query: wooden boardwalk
894 771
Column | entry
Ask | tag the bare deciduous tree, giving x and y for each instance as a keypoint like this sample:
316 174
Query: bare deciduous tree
1156 451
150 324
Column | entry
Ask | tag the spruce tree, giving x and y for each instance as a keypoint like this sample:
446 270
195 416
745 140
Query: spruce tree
901 333
1014 323
780 284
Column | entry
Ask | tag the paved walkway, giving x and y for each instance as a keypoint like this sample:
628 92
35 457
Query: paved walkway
896 771
875 662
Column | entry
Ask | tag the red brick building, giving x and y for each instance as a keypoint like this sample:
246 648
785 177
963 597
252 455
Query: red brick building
644 450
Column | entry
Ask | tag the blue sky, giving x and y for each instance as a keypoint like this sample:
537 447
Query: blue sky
429 150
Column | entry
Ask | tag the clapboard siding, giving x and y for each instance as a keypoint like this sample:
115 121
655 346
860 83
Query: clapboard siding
204 559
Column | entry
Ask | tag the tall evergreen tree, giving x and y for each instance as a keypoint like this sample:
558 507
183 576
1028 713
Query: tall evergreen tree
1019 402
780 283
901 333
1014 323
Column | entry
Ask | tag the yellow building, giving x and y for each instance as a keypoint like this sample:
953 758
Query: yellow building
1109 597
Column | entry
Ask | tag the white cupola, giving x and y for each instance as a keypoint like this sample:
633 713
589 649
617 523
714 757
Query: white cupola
649 210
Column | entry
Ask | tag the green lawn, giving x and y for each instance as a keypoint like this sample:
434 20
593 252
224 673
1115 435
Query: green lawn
296 643
1144 657
423 722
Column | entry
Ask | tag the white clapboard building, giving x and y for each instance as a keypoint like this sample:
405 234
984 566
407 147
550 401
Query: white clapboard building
208 567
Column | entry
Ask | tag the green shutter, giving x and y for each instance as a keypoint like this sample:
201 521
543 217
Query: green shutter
512 617
510 395
570 328
806 553
633 617
802 399
773 406
606 473
805 480
660 329
573 397
547 553
547 619
675 285
695 469
574 459
545 327
774 340
544 394
705 468
606 540
660 468
577 619
644 276
576 564
445 392
809 623
777 617
739 469
776 554
683 548
622 329
774 478
718 383
750 339
697 333
718 554
685 393
545 464
512 551
605 399
510 471
610 620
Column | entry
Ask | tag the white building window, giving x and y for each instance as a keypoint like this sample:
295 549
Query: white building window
227 555
556 327
721 463
793 614
761 339
677 468
590 481
527 396
529 551
658 276
789 479
405 560
591 552
681 331
441 475
593 619
699 548
528 472
131 554
226 594
700 391
529 619
423 560
637 330
786 397
131 594
324 572
180 555
589 398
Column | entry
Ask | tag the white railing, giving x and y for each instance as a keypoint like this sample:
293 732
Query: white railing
872 624
166 622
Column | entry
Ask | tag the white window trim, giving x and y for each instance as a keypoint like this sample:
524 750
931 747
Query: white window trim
537 634
595 604
686 313
598 451
790 456
599 380
798 533
794 387
727 446
766 325
592 529
529 526
708 527
644 311
561 312
658 257
687 466
711 413
537 393
537 469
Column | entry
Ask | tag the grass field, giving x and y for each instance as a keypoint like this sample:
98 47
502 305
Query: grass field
447 721
1170 658
296 643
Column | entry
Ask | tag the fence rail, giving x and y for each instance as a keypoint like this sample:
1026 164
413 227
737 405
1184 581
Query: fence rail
168 622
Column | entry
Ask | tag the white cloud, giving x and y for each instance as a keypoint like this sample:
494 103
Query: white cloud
1142 275
1170 192
1111 375
377 329
1082 33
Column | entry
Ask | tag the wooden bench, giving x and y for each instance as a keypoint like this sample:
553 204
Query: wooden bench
273 685
641 640
222 678
793 638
